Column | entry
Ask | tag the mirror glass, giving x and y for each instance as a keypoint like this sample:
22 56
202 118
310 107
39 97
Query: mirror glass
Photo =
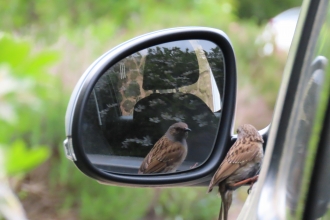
139 102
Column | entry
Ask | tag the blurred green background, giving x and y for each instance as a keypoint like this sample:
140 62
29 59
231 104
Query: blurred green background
45 46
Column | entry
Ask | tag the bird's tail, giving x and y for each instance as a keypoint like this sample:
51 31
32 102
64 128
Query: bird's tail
221 210
223 207
210 186
229 199
226 200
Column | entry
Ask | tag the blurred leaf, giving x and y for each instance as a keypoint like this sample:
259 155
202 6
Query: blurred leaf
263 10
30 98
18 55
13 52
36 64
20 158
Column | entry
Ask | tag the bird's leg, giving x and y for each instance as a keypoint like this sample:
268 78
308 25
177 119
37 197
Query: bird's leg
250 181
253 180
244 182
249 189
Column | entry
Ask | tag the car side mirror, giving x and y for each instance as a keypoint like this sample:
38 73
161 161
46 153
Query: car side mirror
129 115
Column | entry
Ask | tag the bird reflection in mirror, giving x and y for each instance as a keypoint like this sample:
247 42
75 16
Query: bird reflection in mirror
240 166
169 151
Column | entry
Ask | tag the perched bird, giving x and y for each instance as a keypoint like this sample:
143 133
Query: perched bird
168 152
240 166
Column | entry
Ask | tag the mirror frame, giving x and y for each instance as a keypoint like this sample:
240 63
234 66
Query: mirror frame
197 176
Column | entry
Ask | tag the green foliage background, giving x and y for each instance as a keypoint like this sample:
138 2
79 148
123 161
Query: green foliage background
262 10
46 46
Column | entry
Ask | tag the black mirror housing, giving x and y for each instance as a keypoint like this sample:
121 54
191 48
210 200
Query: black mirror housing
84 91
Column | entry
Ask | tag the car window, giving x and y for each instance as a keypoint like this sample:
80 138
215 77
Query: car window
295 132
303 132
317 184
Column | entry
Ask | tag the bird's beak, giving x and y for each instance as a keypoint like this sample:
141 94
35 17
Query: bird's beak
187 129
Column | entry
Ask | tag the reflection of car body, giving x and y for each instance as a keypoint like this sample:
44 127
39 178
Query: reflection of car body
278 33
294 179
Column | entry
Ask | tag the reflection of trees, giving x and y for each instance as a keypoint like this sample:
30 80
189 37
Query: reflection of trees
170 68
114 95
211 67
93 139
131 117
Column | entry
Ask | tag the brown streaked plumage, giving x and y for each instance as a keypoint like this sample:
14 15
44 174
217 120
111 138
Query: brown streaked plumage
240 166
168 152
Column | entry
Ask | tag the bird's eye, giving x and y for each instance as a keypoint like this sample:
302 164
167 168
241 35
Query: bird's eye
238 131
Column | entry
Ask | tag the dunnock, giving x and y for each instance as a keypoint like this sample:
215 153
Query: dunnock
240 166
168 152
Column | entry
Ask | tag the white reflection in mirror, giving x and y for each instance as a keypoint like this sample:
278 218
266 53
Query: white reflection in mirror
135 102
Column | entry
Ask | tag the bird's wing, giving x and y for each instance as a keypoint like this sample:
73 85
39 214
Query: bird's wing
238 154
243 152
163 154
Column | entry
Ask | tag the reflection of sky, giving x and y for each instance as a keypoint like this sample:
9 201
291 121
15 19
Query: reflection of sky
206 45
183 45
216 96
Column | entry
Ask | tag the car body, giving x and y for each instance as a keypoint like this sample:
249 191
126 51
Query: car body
294 179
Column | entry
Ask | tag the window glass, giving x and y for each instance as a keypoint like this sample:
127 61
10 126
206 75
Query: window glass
305 125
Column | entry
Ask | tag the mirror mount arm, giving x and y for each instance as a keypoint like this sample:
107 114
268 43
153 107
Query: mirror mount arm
68 148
